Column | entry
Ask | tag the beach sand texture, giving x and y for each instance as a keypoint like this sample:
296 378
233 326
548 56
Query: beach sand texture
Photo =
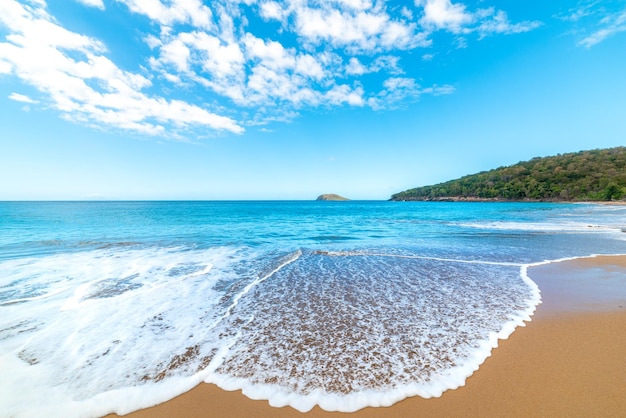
570 361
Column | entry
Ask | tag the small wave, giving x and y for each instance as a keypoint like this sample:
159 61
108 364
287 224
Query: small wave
124 315
540 227
416 257
288 260
370 330
332 238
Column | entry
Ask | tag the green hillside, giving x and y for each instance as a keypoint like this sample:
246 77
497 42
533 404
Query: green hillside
597 175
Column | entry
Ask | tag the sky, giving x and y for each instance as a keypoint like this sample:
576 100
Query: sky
261 99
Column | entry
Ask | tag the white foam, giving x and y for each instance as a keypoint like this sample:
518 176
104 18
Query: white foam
562 227
415 257
108 330
273 352
117 330
290 259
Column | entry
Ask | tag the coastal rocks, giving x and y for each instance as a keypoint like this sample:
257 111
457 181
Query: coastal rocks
331 196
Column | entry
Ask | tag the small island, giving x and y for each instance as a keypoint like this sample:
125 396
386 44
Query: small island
333 197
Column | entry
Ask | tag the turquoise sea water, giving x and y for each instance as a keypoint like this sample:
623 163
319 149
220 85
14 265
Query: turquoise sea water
115 306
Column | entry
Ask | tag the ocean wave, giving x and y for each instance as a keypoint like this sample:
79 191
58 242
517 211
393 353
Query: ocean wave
573 227
300 328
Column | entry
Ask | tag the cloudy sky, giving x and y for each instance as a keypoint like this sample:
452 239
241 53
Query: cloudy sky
264 99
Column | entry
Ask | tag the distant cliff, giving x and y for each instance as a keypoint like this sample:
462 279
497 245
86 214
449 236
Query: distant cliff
597 175
331 197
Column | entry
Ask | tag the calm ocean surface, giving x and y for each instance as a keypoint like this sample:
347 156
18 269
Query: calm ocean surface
114 306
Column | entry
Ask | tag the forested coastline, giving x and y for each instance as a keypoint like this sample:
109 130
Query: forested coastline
595 175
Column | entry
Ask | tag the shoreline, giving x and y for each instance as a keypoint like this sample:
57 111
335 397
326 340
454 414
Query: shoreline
474 199
567 361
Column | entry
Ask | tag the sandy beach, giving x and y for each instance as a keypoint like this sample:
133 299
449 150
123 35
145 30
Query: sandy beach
567 362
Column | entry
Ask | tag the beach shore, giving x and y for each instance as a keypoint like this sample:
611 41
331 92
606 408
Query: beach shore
568 361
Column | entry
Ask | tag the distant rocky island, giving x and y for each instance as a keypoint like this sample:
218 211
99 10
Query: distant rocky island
596 175
332 196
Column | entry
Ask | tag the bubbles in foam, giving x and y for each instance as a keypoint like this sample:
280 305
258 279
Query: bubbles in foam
107 320
116 329
349 332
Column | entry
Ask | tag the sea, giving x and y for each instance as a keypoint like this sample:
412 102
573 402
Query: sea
116 306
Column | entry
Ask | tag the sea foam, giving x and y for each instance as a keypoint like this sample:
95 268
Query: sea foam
118 329
75 327
349 332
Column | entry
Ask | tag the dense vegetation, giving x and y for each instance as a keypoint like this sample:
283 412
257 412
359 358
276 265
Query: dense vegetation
582 176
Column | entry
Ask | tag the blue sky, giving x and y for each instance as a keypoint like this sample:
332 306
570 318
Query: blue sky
259 99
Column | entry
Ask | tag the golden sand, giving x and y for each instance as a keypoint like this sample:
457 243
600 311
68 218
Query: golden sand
570 361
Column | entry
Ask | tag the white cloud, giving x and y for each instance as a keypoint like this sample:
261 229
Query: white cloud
178 11
610 25
355 67
344 94
22 98
357 4
358 25
587 10
252 72
398 90
272 10
5 67
312 53
454 17
308 66
386 63
408 14
222 60
153 42
594 21
271 54
85 85
340 28
495 22
400 83
444 15
177 53
93 3
439 90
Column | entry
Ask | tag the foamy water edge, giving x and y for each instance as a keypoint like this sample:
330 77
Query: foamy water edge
125 400
452 379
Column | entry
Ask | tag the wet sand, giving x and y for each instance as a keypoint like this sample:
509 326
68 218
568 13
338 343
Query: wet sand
570 361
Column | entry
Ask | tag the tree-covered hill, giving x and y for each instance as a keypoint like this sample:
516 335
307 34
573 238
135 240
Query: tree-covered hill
597 175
